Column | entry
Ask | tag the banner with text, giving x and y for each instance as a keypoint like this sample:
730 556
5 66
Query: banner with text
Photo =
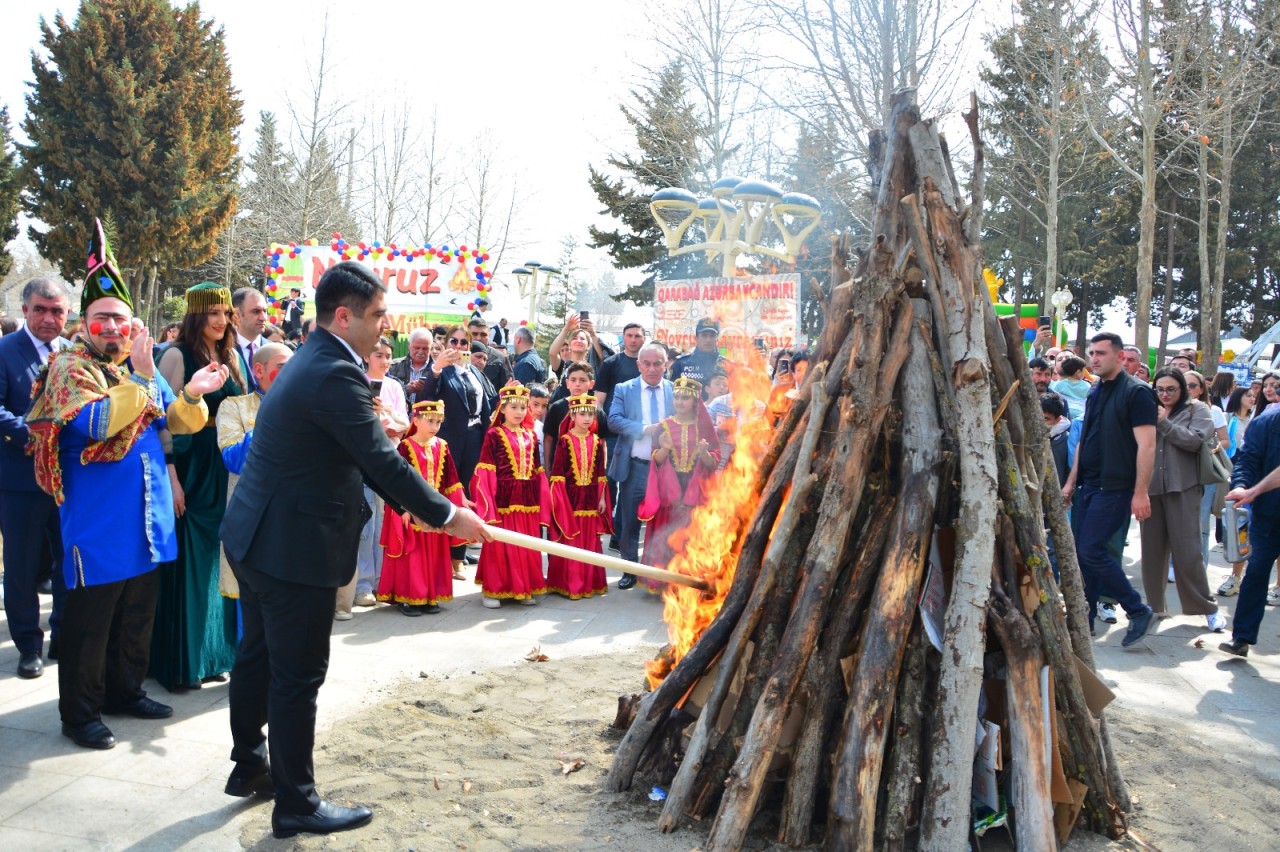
759 307
422 290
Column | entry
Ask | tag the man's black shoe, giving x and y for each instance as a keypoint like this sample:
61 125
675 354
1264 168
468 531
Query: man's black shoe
250 781
45 587
30 665
613 543
143 708
92 734
1138 625
1238 647
410 610
327 819
470 560
626 581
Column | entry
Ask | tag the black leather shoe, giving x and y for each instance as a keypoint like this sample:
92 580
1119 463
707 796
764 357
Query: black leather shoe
250 781
470 560
45 587
31 665
327 819
626 581
410 610
90 735
143 708
1238 647
432 609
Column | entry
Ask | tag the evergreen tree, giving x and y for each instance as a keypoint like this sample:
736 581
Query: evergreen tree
10 191
668 134
132 117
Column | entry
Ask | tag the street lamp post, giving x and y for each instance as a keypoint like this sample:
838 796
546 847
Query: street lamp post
1060 299
533 282
740 217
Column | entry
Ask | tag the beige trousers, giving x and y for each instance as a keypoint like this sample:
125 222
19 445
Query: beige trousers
1174 528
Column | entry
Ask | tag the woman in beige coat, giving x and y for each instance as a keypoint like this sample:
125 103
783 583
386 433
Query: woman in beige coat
1182 427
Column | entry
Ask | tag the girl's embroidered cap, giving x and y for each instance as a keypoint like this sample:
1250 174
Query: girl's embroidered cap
687 387
582 402
511 392
429 407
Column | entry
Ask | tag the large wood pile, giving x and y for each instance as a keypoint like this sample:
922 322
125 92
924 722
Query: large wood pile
819 695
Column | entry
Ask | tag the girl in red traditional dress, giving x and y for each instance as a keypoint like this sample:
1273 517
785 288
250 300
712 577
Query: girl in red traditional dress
510 490
686 455
581 510
417 572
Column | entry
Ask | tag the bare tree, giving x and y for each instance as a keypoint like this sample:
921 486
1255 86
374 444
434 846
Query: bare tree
317 166
1126 117
1233 78
492 203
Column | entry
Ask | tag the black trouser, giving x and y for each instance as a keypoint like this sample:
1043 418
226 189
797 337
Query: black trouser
104 646
32 535
280 666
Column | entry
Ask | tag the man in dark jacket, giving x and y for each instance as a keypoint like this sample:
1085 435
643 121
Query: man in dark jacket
1253 482
291 533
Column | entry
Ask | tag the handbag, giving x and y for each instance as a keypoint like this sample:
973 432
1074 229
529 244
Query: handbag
1214 467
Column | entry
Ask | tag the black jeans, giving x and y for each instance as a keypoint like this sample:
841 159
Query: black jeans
104 646
280 665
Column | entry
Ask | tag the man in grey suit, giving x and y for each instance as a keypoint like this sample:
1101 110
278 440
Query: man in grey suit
636 412
291 533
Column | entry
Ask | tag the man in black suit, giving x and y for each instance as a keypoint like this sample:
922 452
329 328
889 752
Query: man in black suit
28 516
316 441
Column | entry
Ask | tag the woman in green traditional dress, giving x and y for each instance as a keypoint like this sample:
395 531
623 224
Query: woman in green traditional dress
194 639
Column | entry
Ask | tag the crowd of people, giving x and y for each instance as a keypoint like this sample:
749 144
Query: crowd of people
1129 443
160 485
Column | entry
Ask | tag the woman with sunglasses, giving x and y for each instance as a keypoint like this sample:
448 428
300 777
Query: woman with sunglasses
1182 426
1196 387
468 407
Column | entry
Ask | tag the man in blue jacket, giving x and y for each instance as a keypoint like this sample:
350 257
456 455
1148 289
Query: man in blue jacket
28 516
1253 483
636 412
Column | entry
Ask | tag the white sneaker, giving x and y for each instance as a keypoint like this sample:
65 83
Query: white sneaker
342 615
491 603
366 599
1217 622
1230 586
1273 596
1107 612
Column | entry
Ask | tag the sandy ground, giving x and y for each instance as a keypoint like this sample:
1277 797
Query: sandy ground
472 762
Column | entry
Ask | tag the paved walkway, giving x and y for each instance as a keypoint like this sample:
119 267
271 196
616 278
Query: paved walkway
161 787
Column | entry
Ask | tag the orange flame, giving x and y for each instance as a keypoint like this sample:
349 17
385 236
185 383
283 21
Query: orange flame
708 547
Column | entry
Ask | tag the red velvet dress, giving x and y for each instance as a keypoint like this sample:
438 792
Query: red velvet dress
577 484
416 568
674 488
509 489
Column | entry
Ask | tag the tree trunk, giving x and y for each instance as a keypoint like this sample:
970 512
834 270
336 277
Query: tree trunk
886 625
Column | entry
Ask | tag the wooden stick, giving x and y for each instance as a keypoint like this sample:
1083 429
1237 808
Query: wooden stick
555 548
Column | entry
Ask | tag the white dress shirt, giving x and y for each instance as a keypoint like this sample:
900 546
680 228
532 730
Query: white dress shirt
44 350
643 448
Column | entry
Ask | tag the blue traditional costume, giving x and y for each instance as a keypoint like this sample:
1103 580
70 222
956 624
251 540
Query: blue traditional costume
96 434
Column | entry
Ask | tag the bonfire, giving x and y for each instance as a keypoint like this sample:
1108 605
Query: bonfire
878 593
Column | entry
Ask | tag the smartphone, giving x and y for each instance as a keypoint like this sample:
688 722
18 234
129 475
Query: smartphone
584 315
759 343
1046 320
784 365
376 387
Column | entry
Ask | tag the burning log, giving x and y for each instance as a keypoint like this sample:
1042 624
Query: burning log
911 472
